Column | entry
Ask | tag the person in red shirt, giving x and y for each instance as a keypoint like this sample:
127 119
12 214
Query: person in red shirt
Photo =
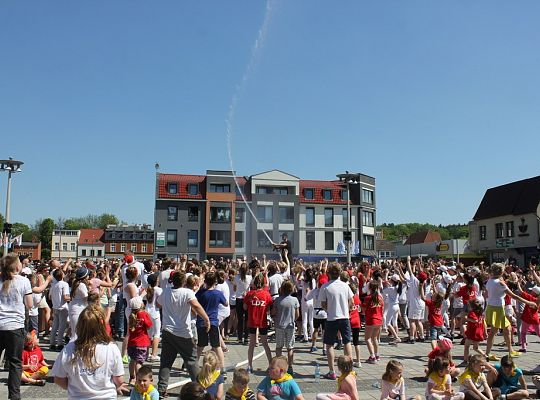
476 328
35 369
258 302
138 339
354 317
373 310
435 317
529 316
467 292
444 351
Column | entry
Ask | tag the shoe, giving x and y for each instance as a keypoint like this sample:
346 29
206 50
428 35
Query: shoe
59 348
152 358
331 375
305 340
462 342
358 364
323 351
493 357
163 395
290 371
338 346
249 370
371 360
246 342
522 350
125 359
313 349
378 357
52 347
410 341
225 350
515 354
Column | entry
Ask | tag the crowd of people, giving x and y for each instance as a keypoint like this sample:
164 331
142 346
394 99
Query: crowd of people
83 309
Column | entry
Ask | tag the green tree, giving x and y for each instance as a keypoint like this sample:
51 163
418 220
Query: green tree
107 219
45 228
19 228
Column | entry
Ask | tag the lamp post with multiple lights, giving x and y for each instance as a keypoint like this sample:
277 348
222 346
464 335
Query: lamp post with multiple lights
11 166
349 178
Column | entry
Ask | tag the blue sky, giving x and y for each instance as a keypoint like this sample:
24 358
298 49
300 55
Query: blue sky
437 100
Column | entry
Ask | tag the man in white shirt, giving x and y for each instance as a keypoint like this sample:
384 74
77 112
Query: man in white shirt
336 298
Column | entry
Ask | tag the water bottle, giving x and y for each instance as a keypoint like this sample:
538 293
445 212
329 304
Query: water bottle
317 373
376 385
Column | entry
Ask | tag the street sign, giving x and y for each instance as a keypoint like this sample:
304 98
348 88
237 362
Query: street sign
160 239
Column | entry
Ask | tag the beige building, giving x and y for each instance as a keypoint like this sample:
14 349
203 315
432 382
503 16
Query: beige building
64 243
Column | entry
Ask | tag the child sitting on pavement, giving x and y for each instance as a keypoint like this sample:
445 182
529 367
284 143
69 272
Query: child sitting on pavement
35 369
279 385
240 389
444 350
144 389
347 389
439 385
507 381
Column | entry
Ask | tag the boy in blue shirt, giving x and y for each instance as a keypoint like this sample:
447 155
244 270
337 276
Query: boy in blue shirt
279 385
507 381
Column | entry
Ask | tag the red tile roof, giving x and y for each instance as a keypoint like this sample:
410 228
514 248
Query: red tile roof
182 189
91 237
423 237
318 187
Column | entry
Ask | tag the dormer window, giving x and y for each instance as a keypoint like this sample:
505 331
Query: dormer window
193 189
308 194
327 194
172 188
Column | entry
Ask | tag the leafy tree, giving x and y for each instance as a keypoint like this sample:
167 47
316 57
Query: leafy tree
107 219
396 232
19 228
45 228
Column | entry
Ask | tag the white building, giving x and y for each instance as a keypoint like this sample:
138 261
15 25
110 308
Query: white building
64 243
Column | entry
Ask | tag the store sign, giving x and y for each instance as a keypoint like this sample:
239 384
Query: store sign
502 243
160 239
443 247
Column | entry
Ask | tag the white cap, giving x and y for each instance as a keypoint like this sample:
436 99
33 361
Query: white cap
136 303
536 290
452 267
26 271
443 268
448 279
395 278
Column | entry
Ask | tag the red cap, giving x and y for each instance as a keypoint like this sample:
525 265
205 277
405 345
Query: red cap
128 259
422 276
323 279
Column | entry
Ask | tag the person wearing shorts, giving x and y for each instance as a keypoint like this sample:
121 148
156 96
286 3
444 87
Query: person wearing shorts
319 318
337 298
210 299
257 304
286 311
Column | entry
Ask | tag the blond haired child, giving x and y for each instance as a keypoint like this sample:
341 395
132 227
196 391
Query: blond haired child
346 389
240 389
210 376
439 385
279 382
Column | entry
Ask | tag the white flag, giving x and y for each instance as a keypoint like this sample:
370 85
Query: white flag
17 240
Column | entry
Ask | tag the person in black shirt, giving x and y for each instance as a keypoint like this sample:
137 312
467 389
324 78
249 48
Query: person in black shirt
285 244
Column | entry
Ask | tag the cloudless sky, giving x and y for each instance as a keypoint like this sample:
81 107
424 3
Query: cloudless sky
438 100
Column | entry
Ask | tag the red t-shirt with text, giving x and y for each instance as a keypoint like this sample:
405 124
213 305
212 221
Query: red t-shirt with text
258 303
435 316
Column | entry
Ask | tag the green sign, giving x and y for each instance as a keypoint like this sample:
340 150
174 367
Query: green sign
160 239
501 243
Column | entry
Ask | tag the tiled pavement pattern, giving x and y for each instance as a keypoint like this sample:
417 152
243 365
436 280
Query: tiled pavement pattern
413 358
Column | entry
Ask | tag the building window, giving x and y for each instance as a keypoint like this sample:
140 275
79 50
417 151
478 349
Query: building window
83 252
220 188
134 247
64 246
113 247
345 216
123 247
271 190
92 253
172 237
310 216
99 253
56 246
193 189
172 213
344 195
113 235
144 248
262 240
193 214
264 214
367 218
328 217
220 214
193 238
499 230
510 229
369 242
172 188
327 194
367 196
239 239
286 215
308 194
239 215
483 232
220 239
329 240
72 246
310 240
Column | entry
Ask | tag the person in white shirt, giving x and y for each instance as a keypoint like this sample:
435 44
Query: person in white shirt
91 367
177 304
15 296
242 282
336 298
59 294
79 299
152 293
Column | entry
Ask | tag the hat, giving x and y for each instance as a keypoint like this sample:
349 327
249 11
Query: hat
422 276
441 289
136 303
445 343
128 259
81 273
451 267
26 271
448 278
443 268
90 264
395 278
536 290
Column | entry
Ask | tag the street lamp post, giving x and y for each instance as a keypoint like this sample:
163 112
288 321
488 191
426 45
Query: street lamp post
348 178
11 166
